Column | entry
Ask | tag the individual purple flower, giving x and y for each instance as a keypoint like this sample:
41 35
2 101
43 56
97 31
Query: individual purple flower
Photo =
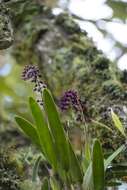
30 72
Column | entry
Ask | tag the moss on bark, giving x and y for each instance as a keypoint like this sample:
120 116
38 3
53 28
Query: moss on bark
6 31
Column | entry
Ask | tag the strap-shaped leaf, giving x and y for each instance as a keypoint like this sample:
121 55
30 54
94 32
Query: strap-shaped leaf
75 169
98 167
87 157
113 156
28 129
45 184
87 153
118 123
88 180
44 133
35 168
54 184
57 129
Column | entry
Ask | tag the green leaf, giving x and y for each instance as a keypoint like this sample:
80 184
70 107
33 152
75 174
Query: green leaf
54 184
57 129
75 169
118 123
87 152
46 139
45 184
28 129
35 168
99 124
113 184
87 157
85 164
88 180
113 156
98 167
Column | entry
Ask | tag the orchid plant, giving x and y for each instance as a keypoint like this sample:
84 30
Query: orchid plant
67 171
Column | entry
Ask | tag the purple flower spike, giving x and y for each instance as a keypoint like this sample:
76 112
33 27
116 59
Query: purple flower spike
70 98
31 73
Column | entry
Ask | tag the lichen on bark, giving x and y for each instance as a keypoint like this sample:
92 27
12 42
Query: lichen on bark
9 176
6 31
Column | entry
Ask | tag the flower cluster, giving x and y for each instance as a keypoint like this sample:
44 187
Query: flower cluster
31 73
70 99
